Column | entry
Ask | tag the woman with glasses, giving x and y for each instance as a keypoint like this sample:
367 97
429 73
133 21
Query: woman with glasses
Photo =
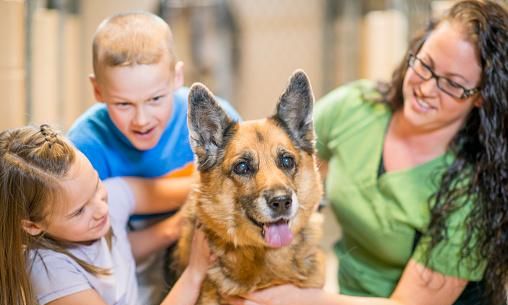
417 172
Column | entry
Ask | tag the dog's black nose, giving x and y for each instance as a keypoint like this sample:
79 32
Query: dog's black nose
280 204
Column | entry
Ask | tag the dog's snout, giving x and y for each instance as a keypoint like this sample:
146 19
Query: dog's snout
280 204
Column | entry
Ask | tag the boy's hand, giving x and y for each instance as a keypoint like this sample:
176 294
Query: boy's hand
172 227
156 237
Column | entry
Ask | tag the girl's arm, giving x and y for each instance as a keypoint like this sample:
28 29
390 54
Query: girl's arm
186 289
417 286
184 292
85 297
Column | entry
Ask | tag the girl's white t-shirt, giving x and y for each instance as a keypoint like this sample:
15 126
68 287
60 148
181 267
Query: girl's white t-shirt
55 275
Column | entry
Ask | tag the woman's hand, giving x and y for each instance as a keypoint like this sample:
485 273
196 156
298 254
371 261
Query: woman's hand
279 295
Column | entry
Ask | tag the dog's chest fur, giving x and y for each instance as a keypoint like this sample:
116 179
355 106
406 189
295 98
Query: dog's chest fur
250 268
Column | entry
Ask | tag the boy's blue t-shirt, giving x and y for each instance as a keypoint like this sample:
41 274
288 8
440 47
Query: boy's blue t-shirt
112 154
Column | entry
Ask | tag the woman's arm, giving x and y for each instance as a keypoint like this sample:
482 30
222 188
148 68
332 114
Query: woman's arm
417 286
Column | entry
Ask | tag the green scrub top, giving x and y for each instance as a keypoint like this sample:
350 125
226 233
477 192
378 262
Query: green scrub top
380 214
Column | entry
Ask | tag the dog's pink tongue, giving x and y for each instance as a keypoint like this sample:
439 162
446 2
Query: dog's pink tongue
278 235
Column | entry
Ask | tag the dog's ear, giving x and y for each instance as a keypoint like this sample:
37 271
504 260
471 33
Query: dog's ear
209 126
294 111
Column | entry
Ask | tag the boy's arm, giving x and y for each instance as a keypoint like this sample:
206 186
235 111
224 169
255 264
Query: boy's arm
158 195
156 237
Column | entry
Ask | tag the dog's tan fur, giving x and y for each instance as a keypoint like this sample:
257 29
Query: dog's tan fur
231 207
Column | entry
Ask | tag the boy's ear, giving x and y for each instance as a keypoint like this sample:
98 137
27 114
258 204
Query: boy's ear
96 90
178 77
31 227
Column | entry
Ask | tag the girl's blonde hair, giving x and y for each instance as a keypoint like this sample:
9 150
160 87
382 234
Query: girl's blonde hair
32 161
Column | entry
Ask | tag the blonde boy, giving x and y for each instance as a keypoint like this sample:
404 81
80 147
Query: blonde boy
139 126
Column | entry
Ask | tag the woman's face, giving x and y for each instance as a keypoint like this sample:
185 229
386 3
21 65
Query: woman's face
449 55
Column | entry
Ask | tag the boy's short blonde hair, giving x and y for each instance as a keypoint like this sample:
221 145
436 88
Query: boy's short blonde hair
129 39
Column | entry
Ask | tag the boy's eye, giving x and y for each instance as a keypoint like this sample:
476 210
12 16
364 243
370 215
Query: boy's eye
157 99
122 105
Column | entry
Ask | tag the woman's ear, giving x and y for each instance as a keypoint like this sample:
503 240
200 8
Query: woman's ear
478 102
31 227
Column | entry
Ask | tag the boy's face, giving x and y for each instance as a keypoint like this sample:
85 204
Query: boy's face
139 99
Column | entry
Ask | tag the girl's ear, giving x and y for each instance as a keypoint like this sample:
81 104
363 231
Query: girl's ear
31 227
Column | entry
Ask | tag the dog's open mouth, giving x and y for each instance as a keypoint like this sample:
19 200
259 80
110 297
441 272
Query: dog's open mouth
276 234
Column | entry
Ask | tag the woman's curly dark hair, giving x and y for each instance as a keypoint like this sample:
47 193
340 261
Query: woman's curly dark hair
480 147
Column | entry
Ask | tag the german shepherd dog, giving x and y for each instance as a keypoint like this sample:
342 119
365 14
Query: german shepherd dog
257 196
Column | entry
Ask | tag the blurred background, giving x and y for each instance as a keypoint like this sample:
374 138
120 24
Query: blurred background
244 50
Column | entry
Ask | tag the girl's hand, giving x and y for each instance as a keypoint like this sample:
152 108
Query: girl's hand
186 290
200 256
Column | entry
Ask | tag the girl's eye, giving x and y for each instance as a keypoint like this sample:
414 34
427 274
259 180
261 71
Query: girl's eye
79 212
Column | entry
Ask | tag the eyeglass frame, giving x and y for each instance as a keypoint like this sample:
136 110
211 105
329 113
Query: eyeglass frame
466 93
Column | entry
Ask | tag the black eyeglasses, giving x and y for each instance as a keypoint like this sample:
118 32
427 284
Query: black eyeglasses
444 84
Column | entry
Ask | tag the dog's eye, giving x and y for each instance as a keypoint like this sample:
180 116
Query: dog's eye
287 162
242 168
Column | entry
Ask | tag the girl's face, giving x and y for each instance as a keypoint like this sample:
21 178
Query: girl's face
449 55
83 214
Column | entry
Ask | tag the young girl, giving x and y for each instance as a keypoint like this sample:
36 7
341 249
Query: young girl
63 231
